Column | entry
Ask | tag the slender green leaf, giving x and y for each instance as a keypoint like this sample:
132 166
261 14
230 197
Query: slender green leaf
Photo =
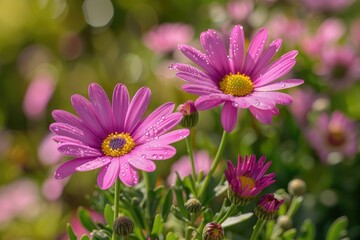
158 225
236 219
171 236
84 237
85 219
289 234
70 232
307 230
167 205
109 214
337 229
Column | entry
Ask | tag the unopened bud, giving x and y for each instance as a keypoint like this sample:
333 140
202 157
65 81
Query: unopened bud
267 207
284 222
297 187
190 114
123 226
193 205
213 231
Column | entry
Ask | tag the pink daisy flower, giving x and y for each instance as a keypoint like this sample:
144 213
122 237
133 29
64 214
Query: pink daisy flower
334 137
237 79
268 206
247 179
114 137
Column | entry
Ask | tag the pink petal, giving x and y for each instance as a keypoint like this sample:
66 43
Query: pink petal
264 116
173 136
120 104
266 57
236 49
72 120
137 108
215 50
200 90
66 130
206 102
108 174
139 162
63 139
128 174
78 150
260 101
289 83
94 164
196 80
274 73
153 118
199 58
229 116
256 47
186 68
155 151
102 106
87 114
240 102
69 167
278 97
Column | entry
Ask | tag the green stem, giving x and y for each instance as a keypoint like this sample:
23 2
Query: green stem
259 225
191 156
148 202
215 163
229 212
116 204
294 206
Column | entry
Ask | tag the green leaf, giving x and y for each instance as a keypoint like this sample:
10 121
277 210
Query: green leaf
171 236
188 183
85 219
208 215
236 219
307 230
70 232
157 226
337 229
289 234
109 214
84 237
167 205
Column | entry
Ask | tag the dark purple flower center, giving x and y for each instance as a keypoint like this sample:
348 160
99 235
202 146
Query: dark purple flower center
117 143
336 138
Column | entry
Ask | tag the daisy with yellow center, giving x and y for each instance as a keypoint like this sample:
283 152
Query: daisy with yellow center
237 85
247 179
117 144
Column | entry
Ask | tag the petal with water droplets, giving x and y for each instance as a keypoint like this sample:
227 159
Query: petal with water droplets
78 150
108 174
94 164
127 173
69 167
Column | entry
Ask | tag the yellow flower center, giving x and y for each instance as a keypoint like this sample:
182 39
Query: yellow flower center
117 144
238 85
247 182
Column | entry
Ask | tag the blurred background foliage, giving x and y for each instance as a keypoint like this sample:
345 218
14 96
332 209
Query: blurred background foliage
50 50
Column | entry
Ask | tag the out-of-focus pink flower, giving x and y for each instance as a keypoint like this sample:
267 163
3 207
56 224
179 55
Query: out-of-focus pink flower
303 100
355 32
289 29
53 188
327 5
333 137
38 95
18 199
71 45
166 37
79 229
328 33
47 152
340 66
202 163
240 10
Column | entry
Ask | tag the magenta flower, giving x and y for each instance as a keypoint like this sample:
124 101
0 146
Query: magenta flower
114 137
248 179
334 137
236 80
268 206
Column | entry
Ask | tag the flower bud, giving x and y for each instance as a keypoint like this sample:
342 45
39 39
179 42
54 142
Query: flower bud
267 207
193 205
297 187
190 114
123 226
213 231
284 222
